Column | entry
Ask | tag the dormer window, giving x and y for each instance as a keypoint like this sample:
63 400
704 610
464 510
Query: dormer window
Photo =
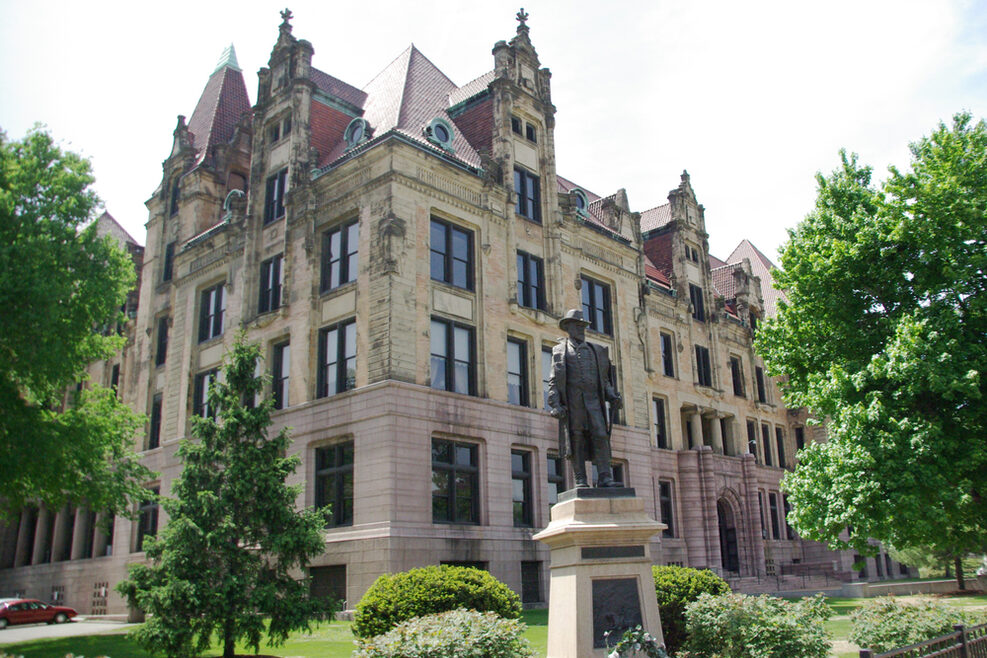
692 253
581 201
279 130
439 132
515 125
357 132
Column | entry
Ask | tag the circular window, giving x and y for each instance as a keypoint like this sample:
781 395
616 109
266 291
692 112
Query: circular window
439 132
356 132
581 201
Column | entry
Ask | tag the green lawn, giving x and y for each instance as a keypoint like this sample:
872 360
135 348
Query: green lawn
335 640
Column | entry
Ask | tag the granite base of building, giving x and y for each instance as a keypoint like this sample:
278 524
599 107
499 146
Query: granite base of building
600 570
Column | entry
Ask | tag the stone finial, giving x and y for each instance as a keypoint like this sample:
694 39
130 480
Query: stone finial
286 16
522 18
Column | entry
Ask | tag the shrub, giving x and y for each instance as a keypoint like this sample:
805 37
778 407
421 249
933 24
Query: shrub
741 626
884 623
393 598
453 634
675 587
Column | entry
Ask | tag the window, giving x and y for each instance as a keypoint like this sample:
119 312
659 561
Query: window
531 582
274 132
169 262
440 132
799 438
211 309
760 507
334 483
556 477
274 198
455 482
154 430
661 427
530 281
356 132
696 299
737 373
517 372
546 373
451 254
147 521
115 378
789 532
280 374
521 487
516 125
704 373
692 253
759 376
527 187
161 351
862 561
780 444
773 503
173 204
453 362
766 444
340 260
667 509
530 133
752 438
271 280
753 317
200 394
667 356
596 305
337 359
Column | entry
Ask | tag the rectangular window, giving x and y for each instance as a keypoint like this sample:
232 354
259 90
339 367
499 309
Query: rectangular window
780 444
212 306
274 199
556 477
453 357
752 438
169 262
337 359
517 372
274 132
760 507
340 259
667 355
546 373
334 483
154 430
773 502
516 125
661 427
200 394
766 444
161 351
759 375
737 373
530 281
527 187
280 371
667 510
451 254
115 378
530 133
596 305
696 299
271 280
789 532
455 482
704 373
147 520
531 582
799 438
521 488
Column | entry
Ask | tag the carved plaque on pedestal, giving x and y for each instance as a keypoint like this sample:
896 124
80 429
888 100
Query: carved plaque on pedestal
616 606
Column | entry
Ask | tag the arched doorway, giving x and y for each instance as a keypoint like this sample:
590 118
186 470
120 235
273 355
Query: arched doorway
730 559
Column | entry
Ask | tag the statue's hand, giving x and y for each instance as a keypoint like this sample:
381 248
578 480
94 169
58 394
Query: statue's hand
616 401
557 412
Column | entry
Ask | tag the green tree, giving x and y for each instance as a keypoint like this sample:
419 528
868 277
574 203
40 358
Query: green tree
883 334
58 282
225 560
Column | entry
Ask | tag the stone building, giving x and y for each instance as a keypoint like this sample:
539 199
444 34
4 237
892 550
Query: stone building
403 253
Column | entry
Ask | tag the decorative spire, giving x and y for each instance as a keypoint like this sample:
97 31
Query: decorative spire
285 26
228 59
522 17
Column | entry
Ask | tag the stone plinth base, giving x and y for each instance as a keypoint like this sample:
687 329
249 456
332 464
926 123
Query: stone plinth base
601 570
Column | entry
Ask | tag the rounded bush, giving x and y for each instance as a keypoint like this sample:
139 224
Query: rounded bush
884 623
676 587
394 598
454 634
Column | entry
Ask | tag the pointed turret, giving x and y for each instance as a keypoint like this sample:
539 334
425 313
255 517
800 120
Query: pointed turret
223 102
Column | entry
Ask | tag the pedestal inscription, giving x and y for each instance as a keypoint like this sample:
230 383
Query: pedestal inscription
616 607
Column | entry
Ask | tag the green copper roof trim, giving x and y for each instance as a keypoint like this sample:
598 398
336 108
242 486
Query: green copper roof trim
336 103
228 59
462 106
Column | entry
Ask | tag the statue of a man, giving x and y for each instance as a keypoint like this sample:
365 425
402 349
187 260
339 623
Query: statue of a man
578 389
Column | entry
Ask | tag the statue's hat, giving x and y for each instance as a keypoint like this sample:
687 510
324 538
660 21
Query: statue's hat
573 315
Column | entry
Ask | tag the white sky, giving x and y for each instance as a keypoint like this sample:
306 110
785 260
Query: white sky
753 98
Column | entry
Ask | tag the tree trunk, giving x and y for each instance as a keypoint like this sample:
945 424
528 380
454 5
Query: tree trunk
948 571
958 564
229 647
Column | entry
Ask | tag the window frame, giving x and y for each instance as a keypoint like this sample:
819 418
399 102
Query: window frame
147 519
453 471
212 311
448 256
271 284
168 267
527 192
591 288
280 374
766 444
762 389
555 474
704 368
161 342
659 409
780 446
524 395
342 358
200 393
697 300
274 193
154 422
773 512
530 294
737 373
348 259
451 357
752 439
667 343
666 502
339 476
523 515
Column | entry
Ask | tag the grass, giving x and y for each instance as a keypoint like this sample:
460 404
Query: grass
335 640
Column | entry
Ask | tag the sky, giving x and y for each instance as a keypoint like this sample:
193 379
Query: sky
752 98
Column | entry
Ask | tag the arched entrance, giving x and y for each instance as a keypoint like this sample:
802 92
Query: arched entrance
730 560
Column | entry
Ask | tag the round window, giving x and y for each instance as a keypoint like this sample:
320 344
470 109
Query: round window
356 132
439 132
582 202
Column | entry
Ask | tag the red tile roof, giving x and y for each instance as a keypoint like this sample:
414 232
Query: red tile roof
761 267
656 218
566 185
222 103
658 248
471 88
328 125
337 88
724 280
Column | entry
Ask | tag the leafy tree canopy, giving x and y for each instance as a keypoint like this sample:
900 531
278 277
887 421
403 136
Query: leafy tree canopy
59 281
884 334
225 560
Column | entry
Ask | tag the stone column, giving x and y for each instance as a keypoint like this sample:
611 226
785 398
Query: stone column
60 533
717 438
40 536
99 539
22 556
696 422
80 533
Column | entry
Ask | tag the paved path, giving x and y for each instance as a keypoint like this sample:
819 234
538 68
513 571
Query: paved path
28 632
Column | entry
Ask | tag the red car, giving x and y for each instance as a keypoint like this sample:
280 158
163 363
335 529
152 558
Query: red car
32 611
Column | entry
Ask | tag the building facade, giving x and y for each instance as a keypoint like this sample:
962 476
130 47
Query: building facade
403 253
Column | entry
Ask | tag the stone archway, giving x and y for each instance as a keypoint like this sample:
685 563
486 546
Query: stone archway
729 553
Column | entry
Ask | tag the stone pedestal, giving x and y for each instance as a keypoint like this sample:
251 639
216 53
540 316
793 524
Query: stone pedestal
601 570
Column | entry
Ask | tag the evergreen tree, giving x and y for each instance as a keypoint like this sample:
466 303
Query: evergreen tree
229 555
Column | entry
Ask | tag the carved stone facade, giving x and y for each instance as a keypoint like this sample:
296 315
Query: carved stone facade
405 276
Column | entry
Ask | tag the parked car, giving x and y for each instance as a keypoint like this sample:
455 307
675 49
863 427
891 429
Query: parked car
32 611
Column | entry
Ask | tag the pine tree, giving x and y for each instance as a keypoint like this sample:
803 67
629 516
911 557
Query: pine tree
235 542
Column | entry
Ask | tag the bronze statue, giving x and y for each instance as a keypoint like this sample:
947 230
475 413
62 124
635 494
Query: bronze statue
581 383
